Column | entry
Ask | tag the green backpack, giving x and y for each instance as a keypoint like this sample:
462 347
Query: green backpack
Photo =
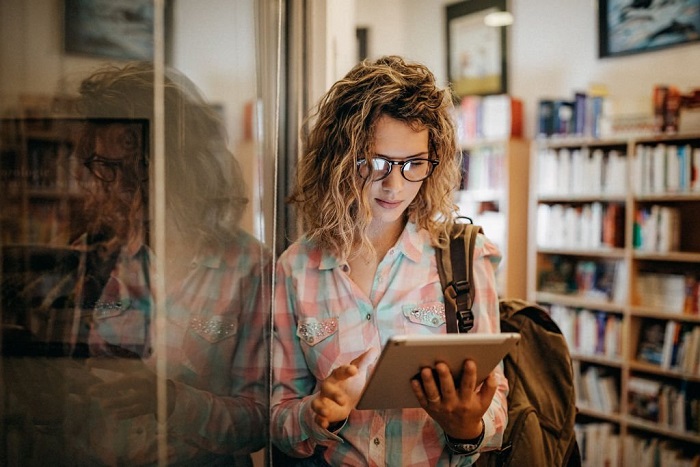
541 399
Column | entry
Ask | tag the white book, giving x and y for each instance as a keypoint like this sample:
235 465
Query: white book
548 181
592 383
696 170
667 351
544 227
673 169
596 225
564 171
577 169
556 223
650 233
587 332
636 168
597 172
658 169
608 394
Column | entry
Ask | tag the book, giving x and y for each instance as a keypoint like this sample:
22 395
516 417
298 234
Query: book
650 348
545 117
562 117
580 114
643 398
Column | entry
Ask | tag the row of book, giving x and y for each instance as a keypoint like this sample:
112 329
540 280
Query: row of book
581 171
595 280
643 451
489 117
666 168
600 442
657 228
597 388
581 116
589 332
670 293
670 344
483 169
671 407
48 166
586 226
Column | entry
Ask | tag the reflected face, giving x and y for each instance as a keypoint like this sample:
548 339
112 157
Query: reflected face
117 156
391 196
114 158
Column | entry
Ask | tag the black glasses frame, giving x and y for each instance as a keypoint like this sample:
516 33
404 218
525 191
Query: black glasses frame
112 166
433 163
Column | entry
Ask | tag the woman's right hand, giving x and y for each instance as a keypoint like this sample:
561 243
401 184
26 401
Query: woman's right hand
341 391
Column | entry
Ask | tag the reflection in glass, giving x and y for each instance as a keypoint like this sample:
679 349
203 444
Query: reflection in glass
134 267
81 361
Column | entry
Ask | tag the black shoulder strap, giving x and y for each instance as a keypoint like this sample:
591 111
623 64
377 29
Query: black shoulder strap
456 275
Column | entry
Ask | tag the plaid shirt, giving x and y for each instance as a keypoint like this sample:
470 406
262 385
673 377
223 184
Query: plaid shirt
217 356
315 299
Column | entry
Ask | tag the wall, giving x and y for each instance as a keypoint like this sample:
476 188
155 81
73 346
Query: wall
552 51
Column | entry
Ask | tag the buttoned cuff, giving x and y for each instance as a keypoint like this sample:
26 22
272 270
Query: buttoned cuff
315 430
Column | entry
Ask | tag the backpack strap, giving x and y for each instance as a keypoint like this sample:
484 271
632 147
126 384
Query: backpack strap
456 276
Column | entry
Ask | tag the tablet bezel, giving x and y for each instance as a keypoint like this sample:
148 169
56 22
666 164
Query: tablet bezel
404 355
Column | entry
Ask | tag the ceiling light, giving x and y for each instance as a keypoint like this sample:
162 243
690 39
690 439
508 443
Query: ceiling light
498 18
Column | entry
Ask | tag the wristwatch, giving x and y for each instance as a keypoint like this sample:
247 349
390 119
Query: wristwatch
466 446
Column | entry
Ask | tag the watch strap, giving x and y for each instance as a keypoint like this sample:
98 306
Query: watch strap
466 446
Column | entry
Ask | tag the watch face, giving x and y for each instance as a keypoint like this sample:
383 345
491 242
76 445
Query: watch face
466 447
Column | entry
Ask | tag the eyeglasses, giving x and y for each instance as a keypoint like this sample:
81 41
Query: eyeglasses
104 169
413 170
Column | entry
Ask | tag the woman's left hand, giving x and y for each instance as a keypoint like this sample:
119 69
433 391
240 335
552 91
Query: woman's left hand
458 410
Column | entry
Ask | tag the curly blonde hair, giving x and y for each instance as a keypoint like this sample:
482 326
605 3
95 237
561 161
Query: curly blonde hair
329 197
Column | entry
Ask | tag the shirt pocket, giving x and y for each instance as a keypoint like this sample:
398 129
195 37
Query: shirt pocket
424 318
320 343
119 320
213 329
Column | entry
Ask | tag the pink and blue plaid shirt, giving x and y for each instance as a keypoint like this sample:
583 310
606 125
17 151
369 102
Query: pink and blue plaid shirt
323 320
217 356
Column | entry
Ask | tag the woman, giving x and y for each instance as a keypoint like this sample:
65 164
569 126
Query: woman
374 190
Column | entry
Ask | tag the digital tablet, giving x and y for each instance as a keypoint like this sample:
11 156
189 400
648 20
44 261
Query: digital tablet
403 356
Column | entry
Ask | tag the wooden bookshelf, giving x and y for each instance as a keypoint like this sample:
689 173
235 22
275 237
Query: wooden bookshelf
637 267
39 188
495 197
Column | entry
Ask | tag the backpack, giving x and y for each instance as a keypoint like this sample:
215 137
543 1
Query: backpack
541 399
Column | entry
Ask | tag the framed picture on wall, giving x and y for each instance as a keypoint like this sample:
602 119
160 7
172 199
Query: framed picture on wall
476 53
119 29
634 26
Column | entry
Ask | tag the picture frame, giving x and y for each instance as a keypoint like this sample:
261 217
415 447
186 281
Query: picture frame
116 29
476 53
628 27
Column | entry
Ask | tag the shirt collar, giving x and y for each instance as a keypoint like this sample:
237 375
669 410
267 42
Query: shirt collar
410 244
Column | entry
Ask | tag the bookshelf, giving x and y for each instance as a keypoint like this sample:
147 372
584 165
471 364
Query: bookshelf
494 195
615 257
39 181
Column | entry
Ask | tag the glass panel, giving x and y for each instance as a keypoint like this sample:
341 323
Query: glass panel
136 231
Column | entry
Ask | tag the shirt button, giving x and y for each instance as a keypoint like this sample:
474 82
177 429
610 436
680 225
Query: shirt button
376 441
368 317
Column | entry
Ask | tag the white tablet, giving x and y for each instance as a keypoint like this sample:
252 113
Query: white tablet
403 356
